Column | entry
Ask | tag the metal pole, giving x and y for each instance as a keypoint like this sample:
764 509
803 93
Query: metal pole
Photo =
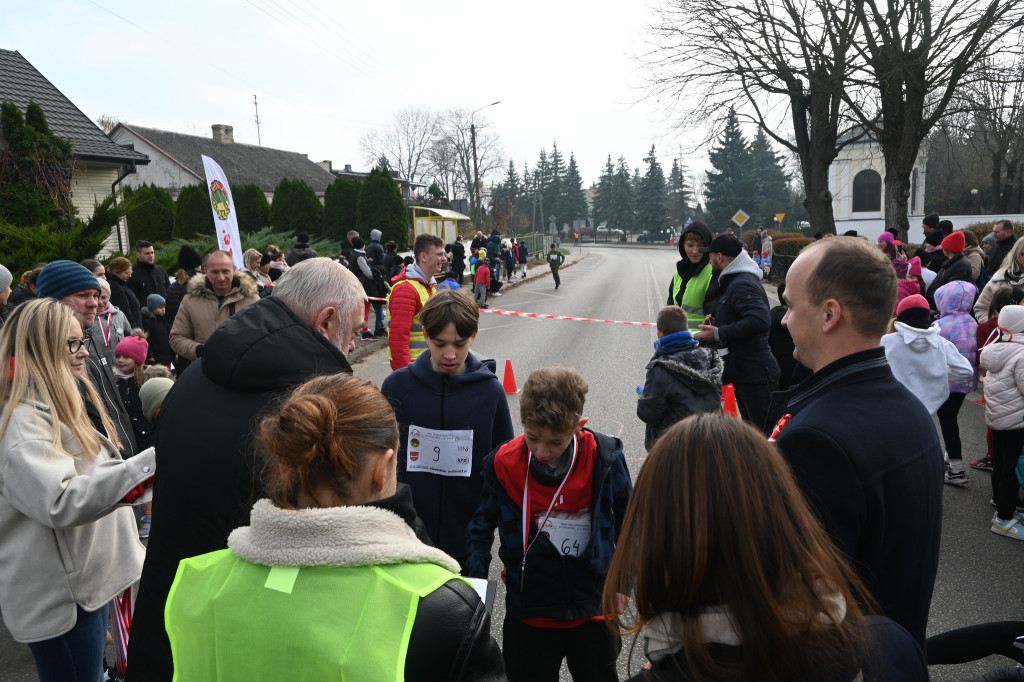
476 176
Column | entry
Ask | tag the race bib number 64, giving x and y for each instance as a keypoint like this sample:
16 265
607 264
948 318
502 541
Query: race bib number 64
446 453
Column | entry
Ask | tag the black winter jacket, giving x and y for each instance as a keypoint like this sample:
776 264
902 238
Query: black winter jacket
456 255
472 400
299 253
998 254
175 295
892 655
875 481
955 269
148 279
126 301
209 478
742 322
375 253
158 334
681 380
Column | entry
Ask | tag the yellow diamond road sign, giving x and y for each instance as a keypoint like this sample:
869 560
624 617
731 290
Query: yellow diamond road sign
740 218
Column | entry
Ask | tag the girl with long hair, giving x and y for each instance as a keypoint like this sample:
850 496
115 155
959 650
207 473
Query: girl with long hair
1010 274
69 543
733 578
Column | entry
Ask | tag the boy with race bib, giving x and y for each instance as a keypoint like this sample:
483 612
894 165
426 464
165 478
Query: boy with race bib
557 495
451 412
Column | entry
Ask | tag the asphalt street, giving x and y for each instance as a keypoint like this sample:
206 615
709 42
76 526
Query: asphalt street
980 575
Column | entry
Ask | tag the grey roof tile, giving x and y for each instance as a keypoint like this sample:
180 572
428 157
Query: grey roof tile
20 82
242 163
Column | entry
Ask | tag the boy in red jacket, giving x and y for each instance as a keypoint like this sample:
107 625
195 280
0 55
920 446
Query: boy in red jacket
481 280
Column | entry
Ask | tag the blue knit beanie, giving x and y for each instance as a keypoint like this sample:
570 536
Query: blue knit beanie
61 278
154 301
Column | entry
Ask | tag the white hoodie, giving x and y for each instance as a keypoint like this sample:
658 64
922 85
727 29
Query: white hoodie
925 362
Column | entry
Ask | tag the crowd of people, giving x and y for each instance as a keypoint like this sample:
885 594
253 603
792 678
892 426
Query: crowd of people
305 524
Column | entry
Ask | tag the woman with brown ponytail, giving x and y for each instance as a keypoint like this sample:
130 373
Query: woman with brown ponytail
329 582
733 577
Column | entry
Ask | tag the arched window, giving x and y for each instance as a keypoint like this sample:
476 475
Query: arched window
867 191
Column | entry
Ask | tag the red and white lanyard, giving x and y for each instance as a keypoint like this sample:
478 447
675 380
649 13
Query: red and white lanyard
547 515
106 332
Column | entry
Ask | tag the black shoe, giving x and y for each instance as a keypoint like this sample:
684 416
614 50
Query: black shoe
367 336
380 333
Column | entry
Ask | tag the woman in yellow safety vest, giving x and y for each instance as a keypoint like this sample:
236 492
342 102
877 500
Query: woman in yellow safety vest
332 580
693 277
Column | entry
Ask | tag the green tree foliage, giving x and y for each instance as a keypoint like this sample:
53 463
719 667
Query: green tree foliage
341 205
35 168
623 202
574 202
193 215
167 254
251 207
66 238
510 204
381 208
772 193
730 186
296 208
652 197
152 216
680 195
603 205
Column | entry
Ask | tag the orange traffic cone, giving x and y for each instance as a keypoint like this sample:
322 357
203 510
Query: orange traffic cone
729 401
510 379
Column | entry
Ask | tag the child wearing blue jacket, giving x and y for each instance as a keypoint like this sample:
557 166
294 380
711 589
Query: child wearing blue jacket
557 495
451 412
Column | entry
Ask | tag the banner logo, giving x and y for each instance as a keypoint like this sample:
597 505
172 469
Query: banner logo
219 199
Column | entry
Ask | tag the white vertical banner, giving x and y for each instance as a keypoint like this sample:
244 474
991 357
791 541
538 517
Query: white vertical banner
224 218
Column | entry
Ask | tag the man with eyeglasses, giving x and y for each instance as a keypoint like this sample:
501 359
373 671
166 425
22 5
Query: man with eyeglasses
74 286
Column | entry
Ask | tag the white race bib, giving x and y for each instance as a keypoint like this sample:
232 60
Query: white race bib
553 257
569 533
447 453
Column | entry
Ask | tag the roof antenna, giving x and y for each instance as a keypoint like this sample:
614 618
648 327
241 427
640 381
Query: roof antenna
256 104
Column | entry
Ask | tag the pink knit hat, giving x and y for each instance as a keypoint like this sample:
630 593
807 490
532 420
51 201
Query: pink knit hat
915 301
134 347
887 237
915 267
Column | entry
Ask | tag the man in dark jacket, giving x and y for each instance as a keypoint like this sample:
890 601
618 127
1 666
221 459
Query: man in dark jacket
301 251
209 476
374 250
147 277
862 447
456 253
1002 230
740 327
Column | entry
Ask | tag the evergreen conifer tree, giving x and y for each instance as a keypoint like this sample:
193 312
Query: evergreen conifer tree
151 217
296 208
730 186
680 196
574 203
380 207
622 204
193 214
341 202
772 193
605 194
651 210
252 207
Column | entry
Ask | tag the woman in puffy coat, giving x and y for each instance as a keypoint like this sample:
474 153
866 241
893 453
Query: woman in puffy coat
1010 274
1004 414
331 568
956 325
69 543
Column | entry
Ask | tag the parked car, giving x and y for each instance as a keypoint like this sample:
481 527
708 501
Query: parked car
653 236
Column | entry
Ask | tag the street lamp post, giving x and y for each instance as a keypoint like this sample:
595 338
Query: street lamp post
476 172
977 201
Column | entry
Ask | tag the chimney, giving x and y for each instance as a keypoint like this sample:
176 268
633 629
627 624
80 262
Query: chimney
348 168
326 165
223 133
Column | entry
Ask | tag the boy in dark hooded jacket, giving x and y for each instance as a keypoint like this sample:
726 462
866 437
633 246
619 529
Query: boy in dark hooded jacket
683 378
452 412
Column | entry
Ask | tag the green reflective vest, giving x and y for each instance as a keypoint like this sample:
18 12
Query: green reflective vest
692 301
228 619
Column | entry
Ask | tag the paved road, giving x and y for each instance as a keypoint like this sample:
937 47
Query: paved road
980 577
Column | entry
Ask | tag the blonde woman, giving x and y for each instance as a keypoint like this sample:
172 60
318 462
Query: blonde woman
68 544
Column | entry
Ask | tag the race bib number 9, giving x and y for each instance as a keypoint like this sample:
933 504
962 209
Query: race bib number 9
569 533
447 453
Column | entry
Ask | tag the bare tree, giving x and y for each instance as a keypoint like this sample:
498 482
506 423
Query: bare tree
454 147
405 142
912 57
994 124
768 59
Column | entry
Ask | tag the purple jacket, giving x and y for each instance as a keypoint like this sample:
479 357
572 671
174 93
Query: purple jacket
954 302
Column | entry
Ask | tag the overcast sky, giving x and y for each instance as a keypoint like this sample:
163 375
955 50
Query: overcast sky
327 72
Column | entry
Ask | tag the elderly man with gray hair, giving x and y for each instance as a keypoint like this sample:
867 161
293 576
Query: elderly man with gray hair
209 475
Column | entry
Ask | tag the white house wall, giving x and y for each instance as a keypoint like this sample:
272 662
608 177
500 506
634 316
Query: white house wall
160 171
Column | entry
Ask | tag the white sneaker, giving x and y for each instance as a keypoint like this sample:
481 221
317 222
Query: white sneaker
1010 528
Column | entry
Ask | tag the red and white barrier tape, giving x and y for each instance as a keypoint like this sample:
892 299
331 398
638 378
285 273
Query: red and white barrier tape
516 313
